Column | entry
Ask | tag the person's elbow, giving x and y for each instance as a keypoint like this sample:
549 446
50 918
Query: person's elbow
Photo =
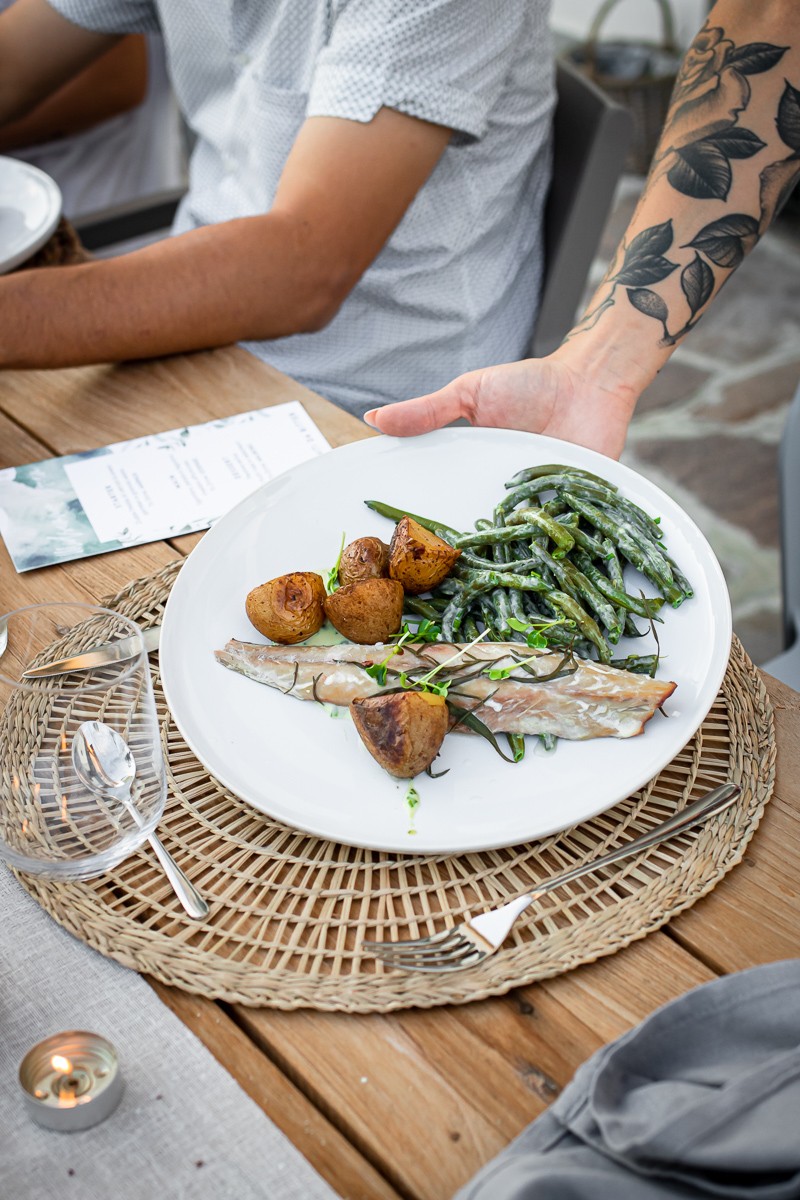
282 275
317 286
320 305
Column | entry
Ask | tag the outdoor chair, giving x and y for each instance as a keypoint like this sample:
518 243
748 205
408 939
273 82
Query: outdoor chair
150 215
591 135
786 666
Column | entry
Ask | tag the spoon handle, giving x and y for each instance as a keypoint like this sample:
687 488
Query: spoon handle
186 892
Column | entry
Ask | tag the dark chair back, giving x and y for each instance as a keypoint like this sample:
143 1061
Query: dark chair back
591 135
787 665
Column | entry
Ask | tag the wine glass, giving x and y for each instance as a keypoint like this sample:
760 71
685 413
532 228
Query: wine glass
51 821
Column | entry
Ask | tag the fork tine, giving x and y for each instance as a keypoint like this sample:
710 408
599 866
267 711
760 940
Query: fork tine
435 939
398 954
468 958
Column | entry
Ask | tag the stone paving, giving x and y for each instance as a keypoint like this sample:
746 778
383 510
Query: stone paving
708 430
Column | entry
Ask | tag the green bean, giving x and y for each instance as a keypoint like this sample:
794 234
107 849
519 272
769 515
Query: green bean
517 565
587 625
489 618
593 596
556 532
613 566
516 742
445 532
475 583
495 534
499 597
422 608
647 563
555 559
624 509
614 570
638 516
680 578
531 473
470 628
521 495
638 664
643 608
583 539
576 585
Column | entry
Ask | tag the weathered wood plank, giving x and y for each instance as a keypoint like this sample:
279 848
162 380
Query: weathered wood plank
84 407
753 916
454 1085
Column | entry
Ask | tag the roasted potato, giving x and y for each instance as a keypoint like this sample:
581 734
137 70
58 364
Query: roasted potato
288 609
418 558
365 558
366 612
402 731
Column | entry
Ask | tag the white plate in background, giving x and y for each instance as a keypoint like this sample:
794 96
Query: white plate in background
30 208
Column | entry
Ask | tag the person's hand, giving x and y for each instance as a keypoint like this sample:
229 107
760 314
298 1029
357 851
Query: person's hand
541 395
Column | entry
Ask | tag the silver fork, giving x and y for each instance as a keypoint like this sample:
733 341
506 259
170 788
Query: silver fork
468 944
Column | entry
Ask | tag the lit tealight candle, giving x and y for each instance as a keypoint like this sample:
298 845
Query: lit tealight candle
71 1080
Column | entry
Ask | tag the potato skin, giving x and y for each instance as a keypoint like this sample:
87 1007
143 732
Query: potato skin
368 611
418 558
402 731
365 558
289 608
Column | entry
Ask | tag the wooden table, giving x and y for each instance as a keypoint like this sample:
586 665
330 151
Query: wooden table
411 1104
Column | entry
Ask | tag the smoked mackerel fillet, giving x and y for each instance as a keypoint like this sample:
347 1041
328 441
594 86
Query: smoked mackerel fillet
585 700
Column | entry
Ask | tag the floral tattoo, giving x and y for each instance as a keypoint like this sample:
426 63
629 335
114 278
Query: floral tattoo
701 138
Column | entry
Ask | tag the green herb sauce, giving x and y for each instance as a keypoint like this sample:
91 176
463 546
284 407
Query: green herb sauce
412 804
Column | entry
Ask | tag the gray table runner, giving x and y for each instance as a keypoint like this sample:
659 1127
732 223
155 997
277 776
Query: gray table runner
702 1099
184 1128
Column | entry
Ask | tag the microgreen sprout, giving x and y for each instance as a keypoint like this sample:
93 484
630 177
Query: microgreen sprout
536 634
426 631
378 671
425 682
332 577
504 672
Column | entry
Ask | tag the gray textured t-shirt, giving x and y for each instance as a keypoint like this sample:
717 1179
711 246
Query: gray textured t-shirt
456 286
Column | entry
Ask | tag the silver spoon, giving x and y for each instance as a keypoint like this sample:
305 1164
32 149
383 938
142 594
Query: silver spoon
104 763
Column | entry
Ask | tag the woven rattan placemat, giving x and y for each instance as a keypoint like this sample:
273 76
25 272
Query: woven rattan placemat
289 911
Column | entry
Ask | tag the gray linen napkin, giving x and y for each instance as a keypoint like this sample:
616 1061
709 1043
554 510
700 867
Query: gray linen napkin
184 1128
701 1099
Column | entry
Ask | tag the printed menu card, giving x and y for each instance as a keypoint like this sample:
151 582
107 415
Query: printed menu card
149 488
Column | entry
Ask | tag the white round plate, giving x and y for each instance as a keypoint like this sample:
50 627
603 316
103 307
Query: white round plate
292 760
30 208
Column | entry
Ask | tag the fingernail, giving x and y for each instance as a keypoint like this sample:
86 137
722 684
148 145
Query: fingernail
369 418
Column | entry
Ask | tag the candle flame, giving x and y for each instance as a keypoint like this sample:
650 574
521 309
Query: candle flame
63 742
59 1063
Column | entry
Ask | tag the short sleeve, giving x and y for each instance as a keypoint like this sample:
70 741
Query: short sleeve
444 61
110 16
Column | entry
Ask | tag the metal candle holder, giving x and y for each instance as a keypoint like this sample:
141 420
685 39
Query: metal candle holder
71 1081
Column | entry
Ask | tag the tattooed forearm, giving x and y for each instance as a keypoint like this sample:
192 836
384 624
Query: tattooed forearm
702 133
703 137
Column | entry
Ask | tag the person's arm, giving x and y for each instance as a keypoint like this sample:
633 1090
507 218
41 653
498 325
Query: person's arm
728 157
113 84
39 52
344 188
